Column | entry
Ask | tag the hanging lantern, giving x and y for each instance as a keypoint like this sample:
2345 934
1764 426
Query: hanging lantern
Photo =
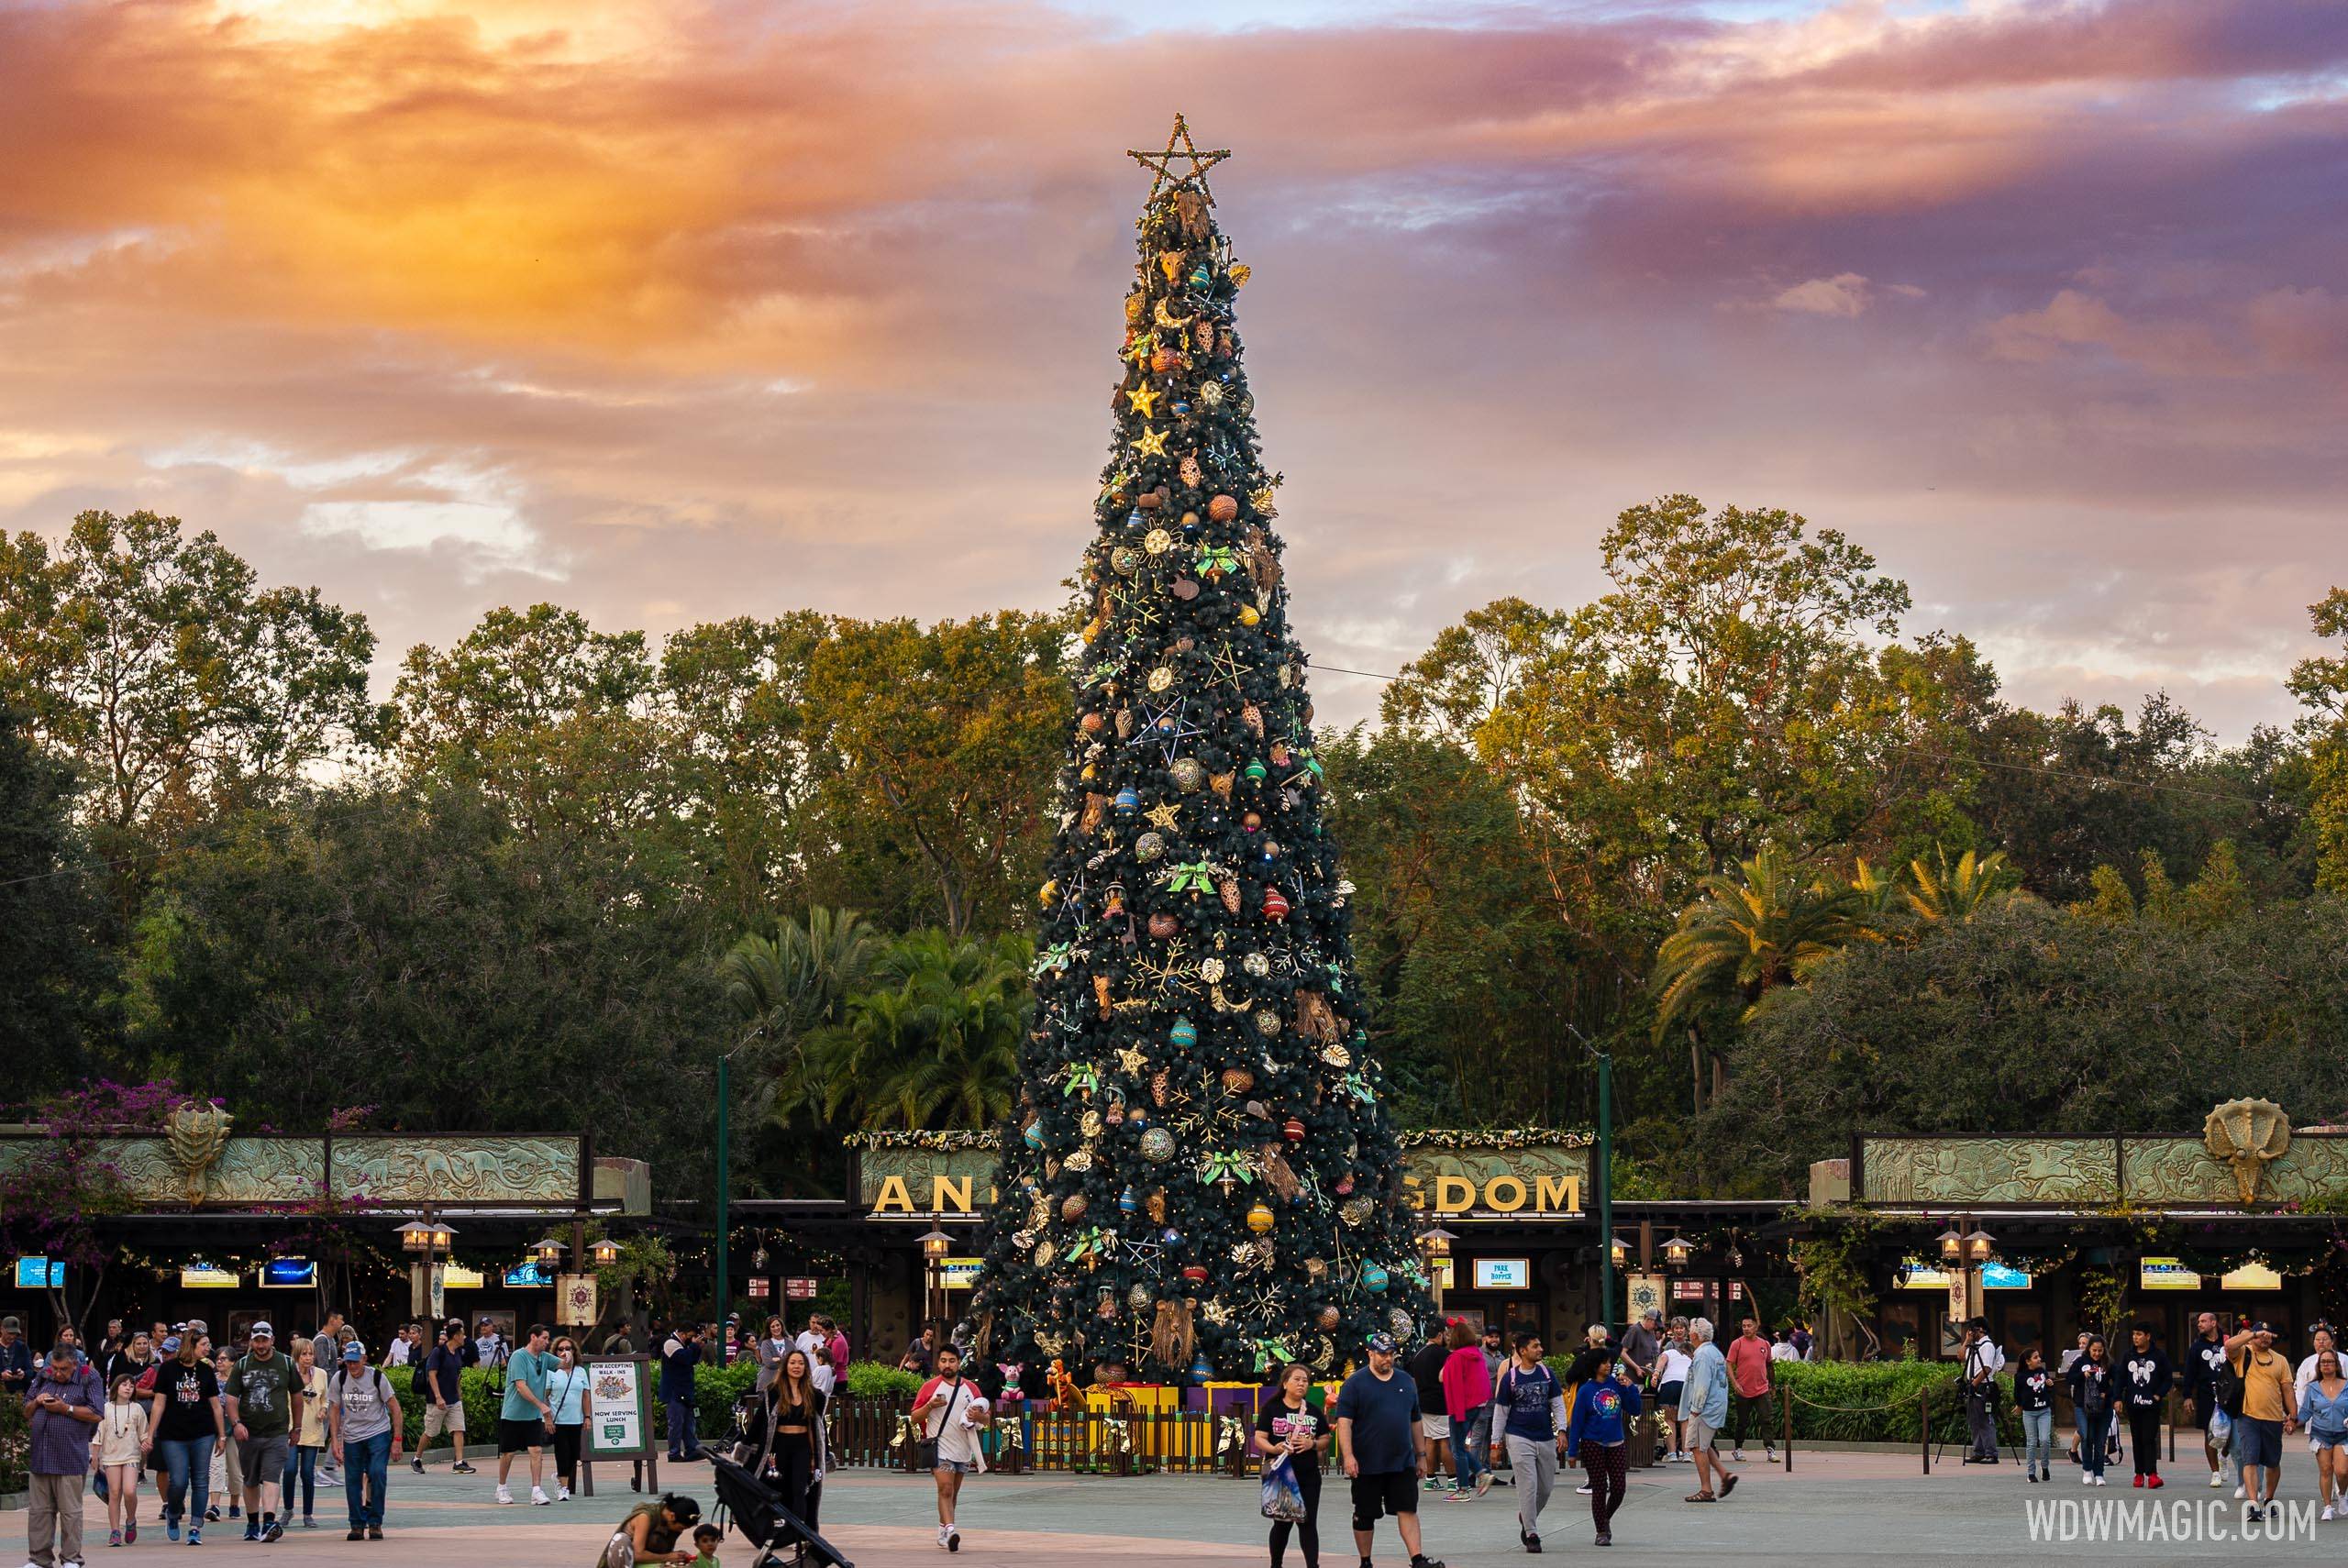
1274 904
1260 1218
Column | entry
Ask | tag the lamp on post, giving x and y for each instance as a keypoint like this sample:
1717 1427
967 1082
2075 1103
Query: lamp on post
934 1248
1952 1245
1435 1242
425 1240
605 1251
1678 1251
547 1250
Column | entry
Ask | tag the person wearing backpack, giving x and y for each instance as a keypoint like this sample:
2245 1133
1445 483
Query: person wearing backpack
363 1421
2204 1367
1529 1417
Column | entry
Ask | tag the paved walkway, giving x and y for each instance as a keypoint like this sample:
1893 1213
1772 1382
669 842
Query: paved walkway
1834 1508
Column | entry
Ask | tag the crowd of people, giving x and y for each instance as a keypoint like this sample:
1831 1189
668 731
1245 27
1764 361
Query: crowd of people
247 1432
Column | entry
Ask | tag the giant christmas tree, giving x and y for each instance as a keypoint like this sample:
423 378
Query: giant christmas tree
1199 1176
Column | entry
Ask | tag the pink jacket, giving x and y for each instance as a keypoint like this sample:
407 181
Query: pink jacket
1466 1383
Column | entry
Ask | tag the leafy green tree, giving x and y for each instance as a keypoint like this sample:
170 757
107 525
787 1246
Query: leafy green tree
733 707
2321 686
178 686
935 749
543 714
2027 1016
54 965
1746 935
1467 970
467 976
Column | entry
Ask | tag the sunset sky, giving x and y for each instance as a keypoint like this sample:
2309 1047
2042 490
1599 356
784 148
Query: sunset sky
681 309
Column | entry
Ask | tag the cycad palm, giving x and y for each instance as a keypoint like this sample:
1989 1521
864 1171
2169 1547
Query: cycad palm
1952 895
936 1040
1747 933
791 984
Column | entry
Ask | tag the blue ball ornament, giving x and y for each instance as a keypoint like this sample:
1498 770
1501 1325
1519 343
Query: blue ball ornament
1182 407
1128 802
1135 520
1373 1278
1184 1034
1035 1134
1202 1369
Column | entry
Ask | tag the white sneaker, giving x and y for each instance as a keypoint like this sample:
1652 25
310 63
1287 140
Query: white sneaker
1737 1455
2217 1478
2099 1481
538 1498
1583 1490
2086 1479
941 1538
504 1496
2327 1513
562 1493
2240 1493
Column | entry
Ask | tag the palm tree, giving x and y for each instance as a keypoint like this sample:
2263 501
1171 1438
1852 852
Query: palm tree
936 1040
1952 896
1746 934
790 985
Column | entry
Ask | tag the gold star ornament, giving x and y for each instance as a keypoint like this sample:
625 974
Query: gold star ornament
1163 816
1152 444
1144 401
1179 147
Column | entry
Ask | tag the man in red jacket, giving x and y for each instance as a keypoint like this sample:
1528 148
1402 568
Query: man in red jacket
1748 1381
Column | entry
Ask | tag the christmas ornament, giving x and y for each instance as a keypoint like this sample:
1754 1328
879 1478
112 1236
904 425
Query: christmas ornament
1158 1146
1184 1035
1274 904
1142 401
1222 508
1292 1129
1260 1218
1374 1279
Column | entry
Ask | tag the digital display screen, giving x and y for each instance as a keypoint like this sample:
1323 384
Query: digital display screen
1503 1274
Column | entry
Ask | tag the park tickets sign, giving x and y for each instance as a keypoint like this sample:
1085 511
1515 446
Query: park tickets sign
1451 1175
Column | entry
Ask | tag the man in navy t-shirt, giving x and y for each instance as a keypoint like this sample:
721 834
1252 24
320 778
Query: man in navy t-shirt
679 1356
1379 1423
1532 1408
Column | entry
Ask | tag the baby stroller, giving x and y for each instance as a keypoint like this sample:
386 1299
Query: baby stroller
756 1510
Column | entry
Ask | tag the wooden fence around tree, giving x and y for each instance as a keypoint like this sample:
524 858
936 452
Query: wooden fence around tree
878 1433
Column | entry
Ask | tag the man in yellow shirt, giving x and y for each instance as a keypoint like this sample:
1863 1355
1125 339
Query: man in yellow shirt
2267 1411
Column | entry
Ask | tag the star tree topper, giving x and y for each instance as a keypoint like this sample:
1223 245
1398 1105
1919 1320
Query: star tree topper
1179 145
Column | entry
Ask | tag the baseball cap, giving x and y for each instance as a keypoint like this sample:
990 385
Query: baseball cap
12 1325
170 1344
1381 1343
262 1331
354 1351
2262 1327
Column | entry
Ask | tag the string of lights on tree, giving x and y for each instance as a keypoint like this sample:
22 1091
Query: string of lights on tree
1201 1179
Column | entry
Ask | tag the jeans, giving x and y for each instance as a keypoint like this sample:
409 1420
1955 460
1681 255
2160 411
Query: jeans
302 1464
366 1463
1535 1466
2092 1435
2038 1438
187 1462
1981 1423
1749 1413
1466 1456
680 1428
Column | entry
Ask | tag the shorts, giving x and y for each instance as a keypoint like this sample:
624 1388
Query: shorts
1395 1492
2258 1443
440 1418
1438 1428
263 1458
2321 1440
1700 1434
1668 1394
956 1467
515 1437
